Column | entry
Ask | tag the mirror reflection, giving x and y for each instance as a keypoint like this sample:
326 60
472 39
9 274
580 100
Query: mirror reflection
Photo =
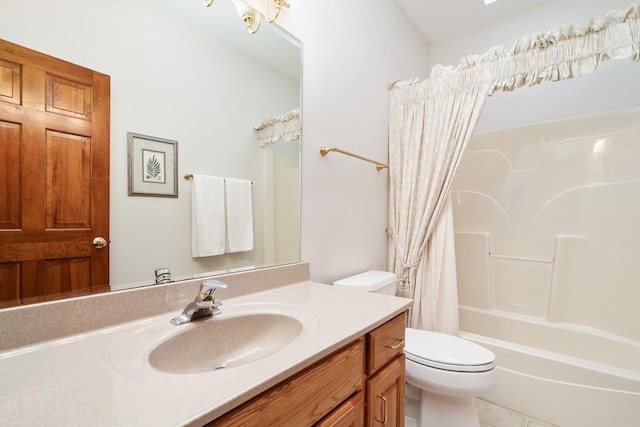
190 74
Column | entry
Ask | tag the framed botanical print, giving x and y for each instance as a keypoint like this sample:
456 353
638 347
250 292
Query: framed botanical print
153 166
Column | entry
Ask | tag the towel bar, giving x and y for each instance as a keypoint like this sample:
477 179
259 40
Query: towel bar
326 150
189 176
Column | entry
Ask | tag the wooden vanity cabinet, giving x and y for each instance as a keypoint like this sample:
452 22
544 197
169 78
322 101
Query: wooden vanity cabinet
360 384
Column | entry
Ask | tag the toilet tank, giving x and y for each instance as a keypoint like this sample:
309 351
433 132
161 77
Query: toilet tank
380 282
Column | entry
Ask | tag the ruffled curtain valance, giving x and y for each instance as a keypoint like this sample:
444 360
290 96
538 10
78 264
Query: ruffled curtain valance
430 125
560 54
286 127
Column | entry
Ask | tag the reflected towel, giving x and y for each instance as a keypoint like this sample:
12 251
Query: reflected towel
239 215
207 216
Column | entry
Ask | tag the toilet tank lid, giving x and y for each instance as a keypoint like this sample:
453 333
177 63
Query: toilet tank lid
368 281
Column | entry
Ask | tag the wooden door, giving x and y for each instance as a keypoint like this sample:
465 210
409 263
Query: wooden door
385 396
54 177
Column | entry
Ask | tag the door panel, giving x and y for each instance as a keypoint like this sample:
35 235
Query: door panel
68 181
9 82
10 175
54 172
10 279
68 97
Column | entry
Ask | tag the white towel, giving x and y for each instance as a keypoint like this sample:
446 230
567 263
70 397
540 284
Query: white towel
239 215
207 214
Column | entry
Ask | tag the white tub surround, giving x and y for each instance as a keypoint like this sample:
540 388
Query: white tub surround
548 282
101 376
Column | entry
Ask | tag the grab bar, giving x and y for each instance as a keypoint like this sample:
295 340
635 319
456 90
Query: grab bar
522 258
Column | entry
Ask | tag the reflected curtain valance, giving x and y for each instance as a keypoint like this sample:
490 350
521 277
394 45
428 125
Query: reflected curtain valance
286 127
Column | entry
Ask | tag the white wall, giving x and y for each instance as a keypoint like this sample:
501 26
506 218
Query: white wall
352 50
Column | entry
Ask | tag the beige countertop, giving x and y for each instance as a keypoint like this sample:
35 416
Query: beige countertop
103 376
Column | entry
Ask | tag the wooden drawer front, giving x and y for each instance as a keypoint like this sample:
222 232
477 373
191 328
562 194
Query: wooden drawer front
349 414
384 343
306 397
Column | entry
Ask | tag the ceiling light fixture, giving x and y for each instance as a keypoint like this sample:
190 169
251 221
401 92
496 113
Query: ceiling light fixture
250 16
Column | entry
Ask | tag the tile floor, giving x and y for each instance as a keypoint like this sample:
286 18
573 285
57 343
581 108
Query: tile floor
491 415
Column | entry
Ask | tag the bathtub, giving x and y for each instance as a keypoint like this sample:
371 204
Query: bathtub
562 374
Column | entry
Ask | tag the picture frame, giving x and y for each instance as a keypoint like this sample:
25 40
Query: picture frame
153 166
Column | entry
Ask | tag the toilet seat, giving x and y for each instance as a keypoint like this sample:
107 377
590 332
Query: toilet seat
447 352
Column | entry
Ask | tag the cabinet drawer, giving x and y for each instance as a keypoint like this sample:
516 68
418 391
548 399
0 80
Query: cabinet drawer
307 397
385 343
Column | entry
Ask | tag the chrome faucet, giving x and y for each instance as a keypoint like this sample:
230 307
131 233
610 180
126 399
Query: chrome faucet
205 305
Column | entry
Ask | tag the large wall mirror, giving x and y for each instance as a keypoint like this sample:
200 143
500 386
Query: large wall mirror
186 73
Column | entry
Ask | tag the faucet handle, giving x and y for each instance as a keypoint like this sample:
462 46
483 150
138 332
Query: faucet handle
208 288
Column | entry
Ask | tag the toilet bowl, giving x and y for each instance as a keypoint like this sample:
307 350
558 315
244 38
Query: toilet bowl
448 370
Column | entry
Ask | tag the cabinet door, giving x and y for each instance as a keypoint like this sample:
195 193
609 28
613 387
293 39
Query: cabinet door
385 396
349 414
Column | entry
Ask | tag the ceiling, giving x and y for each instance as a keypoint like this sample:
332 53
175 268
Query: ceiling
439 19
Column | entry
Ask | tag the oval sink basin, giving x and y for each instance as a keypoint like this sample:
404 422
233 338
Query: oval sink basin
224 342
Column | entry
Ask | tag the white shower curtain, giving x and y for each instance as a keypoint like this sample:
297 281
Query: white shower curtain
430 125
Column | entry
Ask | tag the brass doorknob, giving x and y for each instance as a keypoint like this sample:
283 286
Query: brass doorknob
99 242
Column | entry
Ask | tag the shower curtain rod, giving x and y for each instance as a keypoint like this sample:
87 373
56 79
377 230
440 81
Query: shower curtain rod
326 150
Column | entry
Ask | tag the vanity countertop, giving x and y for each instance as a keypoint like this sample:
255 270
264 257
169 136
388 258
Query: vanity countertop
103 377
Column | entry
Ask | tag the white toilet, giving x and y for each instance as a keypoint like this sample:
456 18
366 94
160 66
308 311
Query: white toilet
448 370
